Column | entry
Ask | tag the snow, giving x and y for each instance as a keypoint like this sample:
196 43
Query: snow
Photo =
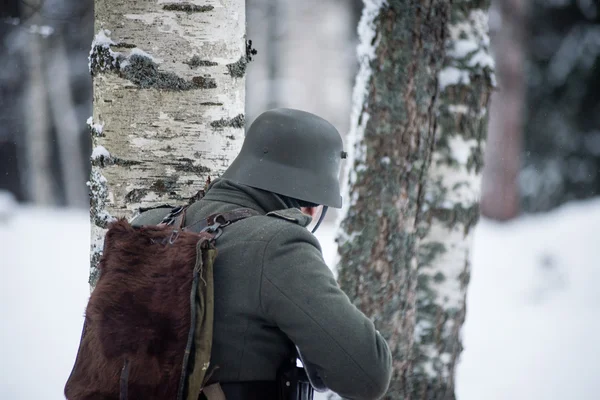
7 204
458 108
140 52
463 47
102 38
453 76
100 151
532 308
461 148
124 64
43 293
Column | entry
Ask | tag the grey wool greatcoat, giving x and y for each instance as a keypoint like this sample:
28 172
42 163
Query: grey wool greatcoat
273 290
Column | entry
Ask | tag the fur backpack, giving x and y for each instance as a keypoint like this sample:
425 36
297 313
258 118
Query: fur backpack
148 323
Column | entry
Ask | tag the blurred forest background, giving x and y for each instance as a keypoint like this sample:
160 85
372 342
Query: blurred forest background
46 88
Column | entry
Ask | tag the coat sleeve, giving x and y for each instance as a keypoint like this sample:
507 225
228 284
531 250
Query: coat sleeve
150 217
300 295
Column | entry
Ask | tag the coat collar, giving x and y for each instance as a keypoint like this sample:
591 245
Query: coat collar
224 190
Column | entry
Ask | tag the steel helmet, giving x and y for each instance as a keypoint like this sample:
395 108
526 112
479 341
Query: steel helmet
292 153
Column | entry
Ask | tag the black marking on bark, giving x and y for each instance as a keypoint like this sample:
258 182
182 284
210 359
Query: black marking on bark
439 277
187 165
98 198
465 276
235 122
475 160
238 68
211 103
187 7
94 271
250 51
230 137
204 82
135 195
124 162
196 62
94 132
124 45
101 161
429 252
102 59
468 216
144 73
168 184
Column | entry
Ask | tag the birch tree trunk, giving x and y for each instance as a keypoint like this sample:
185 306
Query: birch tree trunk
168 80
418 130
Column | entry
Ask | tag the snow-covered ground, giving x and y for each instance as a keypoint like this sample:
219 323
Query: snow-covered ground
533 309
43 293
532 318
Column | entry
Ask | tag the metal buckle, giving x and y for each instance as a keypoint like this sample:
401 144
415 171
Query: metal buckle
174 236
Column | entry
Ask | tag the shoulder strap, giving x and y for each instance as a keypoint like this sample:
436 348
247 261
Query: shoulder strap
175 217
217 221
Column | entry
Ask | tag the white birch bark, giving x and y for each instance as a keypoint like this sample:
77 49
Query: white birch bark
168 102
452 193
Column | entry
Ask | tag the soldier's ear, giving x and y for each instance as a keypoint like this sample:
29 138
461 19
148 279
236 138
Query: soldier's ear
310 211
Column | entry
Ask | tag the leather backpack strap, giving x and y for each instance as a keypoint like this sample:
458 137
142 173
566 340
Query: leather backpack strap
220 220
214 392
180 219
175 217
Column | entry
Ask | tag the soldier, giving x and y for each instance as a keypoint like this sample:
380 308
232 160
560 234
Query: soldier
273 291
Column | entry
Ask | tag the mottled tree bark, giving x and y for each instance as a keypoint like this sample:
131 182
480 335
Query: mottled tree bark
417 135
168 81
561 154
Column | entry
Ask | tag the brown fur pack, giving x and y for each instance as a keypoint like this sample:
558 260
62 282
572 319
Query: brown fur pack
138 318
